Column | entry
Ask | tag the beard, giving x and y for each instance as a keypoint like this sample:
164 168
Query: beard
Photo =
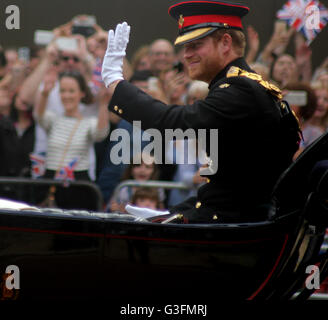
204 70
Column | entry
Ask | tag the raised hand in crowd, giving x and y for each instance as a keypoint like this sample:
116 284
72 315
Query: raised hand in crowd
64 30
278 42
97 43
30 86
82 53
49 82
103 114
253 42
175 86
303 55
14 78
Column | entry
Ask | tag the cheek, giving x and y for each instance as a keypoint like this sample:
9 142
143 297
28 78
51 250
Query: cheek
135 171
81 96
150 171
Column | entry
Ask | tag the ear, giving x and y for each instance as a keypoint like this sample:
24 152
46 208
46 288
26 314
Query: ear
226 41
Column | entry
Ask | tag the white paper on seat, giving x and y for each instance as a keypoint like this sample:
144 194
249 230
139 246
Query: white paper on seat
10 204
144 212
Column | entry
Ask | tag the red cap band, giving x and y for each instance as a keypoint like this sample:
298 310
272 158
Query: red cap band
232 21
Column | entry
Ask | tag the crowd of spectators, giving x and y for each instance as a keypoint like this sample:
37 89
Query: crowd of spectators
54 105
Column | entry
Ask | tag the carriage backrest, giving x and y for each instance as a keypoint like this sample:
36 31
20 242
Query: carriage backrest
307 173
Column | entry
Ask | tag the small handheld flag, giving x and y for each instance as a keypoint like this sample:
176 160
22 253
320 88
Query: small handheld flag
306 16
38 161
67 173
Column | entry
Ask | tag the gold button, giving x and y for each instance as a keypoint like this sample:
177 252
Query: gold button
116 108
120 111
198 204
208 180
215 217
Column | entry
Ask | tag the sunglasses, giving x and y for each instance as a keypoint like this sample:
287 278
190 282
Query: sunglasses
66 58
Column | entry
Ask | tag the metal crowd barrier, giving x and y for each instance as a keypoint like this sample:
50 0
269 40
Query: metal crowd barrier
150 184
28 182
94 189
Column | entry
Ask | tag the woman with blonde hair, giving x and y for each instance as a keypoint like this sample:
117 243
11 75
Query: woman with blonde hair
320 116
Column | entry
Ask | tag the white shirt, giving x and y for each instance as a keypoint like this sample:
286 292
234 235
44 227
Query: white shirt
63 146
55 105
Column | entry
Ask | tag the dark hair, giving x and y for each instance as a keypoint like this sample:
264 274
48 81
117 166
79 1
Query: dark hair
88 98
308 110
146 193
14 111
3 60
127 174
35 50
274 61
141 75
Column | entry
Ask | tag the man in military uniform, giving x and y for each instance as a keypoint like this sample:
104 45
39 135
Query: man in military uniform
256 142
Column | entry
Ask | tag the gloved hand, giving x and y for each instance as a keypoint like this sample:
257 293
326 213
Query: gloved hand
112 68
144 212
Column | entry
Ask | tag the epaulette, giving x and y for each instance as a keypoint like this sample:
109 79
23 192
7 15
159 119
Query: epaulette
237 72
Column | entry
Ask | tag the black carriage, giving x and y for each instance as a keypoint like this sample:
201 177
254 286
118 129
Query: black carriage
71 254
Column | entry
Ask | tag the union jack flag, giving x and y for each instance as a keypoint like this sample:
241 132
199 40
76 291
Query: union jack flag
38 164
67 173
306 16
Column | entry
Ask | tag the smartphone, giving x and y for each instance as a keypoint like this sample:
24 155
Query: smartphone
24 54
280 27
43 37
83 30
178 66
153 84
84 25
296 98
67 44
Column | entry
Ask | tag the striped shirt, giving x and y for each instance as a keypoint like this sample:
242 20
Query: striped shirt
59 128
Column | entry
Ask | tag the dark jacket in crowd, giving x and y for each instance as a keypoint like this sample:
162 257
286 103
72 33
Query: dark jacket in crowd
14 153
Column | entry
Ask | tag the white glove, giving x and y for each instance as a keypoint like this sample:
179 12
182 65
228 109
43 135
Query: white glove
112 68
144 212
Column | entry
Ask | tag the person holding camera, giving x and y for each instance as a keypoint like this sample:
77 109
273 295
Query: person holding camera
61 56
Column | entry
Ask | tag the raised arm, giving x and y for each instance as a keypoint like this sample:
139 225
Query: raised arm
49 82
29 89
103 113
253 44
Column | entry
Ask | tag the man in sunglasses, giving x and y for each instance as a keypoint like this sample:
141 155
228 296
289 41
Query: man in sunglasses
69 61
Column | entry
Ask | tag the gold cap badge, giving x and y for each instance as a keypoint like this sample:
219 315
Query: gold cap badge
181 21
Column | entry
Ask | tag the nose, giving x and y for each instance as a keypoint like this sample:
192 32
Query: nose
187 53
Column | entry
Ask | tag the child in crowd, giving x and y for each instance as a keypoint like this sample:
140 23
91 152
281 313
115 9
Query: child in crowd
146 198
140 171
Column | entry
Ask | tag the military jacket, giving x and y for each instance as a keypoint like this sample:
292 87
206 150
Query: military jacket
245 111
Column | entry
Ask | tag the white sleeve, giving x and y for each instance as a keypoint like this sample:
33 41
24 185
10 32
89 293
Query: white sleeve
95 133
47 120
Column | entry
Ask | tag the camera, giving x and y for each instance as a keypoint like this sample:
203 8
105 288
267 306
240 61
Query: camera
296 98
84 25
178 66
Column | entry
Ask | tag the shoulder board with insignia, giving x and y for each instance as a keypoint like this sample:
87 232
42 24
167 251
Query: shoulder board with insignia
224 85
237 72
